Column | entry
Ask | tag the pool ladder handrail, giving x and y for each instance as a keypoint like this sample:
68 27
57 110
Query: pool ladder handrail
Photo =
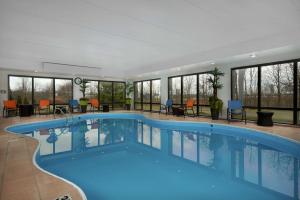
68 115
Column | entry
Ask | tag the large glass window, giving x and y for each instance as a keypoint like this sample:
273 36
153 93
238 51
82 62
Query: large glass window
189 88
205 91
137 95
119 95
63 91
43 89
267 88
92 90
156 95
277 90
20 89
175 89
244 88
277 85
146 95
105 88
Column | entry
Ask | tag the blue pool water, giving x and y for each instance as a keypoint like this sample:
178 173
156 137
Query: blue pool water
127 156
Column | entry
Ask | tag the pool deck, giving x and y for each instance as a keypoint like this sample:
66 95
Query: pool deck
20 179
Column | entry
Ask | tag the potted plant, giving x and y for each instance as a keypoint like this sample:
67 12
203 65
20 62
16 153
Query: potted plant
129 91
83 101
215 103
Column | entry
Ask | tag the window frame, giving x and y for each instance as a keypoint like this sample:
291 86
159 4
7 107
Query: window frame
32 82
197 85
141 95
295 107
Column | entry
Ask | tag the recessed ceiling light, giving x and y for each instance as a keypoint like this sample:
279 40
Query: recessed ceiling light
253 55
212 63
35 71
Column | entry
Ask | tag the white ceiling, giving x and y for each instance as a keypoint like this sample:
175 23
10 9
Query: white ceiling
130 37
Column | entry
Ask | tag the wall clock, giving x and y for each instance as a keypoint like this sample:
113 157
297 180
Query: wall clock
77 81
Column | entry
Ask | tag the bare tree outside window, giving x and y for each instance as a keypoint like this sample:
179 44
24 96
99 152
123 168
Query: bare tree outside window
146 95
189 88
277 85
43 89
20 89
175 89
244 85
63 91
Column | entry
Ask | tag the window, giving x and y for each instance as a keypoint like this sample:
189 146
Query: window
205 91
146 95
268 87
196 87
244 88
119 95
20 89
277 91
92 90
175 89
63 91
277 85
137 95
189 88
43 89
155 95
106 92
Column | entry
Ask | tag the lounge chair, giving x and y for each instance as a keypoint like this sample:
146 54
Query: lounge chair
167 107
94 104
235 107
74 104
44 104
189 106
9 105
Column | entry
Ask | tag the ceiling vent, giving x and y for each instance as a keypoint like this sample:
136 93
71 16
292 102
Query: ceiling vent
62 68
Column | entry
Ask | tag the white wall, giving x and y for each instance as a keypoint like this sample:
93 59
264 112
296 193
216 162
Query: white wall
4 82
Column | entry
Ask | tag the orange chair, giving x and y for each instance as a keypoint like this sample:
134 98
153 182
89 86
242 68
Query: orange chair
94 104
9 105
44 104
189 106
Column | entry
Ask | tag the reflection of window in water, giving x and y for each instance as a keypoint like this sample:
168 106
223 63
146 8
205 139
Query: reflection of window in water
176 143
190 146
45 147
64 140
156 138
148 135
278 171
266 167
251 163
91 138
62 143
206 155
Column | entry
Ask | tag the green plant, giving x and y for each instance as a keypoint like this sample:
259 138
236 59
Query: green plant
215 103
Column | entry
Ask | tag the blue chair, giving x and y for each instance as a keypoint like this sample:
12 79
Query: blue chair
166 107
235 107
73 104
